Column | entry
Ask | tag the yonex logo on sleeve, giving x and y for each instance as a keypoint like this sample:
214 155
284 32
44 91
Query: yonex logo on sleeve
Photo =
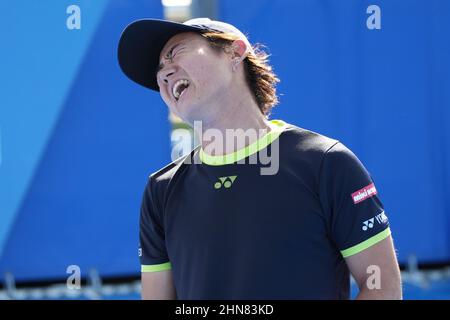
380 218
226 182
368 224
364 193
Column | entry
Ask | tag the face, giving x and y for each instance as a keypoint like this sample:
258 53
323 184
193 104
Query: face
193 76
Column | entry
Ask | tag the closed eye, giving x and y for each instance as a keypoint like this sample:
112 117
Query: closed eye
169 56
175 52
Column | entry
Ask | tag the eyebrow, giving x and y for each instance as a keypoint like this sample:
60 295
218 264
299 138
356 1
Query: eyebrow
161 65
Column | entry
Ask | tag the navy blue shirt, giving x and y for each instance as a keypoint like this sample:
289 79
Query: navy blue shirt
227 231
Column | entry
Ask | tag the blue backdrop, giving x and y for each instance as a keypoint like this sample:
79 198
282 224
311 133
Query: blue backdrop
78 139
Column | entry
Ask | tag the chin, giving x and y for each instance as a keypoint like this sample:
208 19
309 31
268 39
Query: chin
187 113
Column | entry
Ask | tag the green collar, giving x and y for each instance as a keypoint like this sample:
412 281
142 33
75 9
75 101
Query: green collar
277 127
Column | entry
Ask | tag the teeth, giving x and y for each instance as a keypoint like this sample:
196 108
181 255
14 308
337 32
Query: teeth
175 92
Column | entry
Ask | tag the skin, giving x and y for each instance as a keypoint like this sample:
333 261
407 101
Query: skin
219 96
383 256
158 286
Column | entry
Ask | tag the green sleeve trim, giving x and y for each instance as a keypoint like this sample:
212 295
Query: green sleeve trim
366 244
278 127
156 267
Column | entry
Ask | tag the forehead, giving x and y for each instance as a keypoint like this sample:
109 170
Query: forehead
185 36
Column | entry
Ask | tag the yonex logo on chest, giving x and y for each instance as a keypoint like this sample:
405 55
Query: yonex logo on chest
225 182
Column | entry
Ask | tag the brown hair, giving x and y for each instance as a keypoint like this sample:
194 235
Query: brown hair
259 74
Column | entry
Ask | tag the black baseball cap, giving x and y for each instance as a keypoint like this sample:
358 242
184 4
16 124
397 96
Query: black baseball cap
142 41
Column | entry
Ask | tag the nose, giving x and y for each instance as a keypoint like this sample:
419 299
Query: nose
165 73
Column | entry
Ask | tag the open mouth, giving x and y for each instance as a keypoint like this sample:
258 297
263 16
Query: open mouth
179 88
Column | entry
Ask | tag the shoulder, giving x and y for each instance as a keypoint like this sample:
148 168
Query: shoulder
315 154
160 180
303 143
339 153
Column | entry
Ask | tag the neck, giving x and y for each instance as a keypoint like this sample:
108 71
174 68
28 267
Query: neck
236 124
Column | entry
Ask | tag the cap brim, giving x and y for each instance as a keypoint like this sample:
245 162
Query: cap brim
140 46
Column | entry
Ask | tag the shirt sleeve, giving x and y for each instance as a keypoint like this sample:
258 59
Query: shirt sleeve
353 210
152 252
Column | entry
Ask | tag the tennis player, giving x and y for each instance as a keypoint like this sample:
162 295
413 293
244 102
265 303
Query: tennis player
286 213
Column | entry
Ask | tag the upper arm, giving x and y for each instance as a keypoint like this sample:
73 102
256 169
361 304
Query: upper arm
157 279
158 285
356 220
376 268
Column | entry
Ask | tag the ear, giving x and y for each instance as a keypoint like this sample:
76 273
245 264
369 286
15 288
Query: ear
239 49
239 53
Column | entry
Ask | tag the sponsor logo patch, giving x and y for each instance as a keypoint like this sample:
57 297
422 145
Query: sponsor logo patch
364 193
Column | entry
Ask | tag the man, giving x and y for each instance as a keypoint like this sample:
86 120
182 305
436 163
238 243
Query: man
213 224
